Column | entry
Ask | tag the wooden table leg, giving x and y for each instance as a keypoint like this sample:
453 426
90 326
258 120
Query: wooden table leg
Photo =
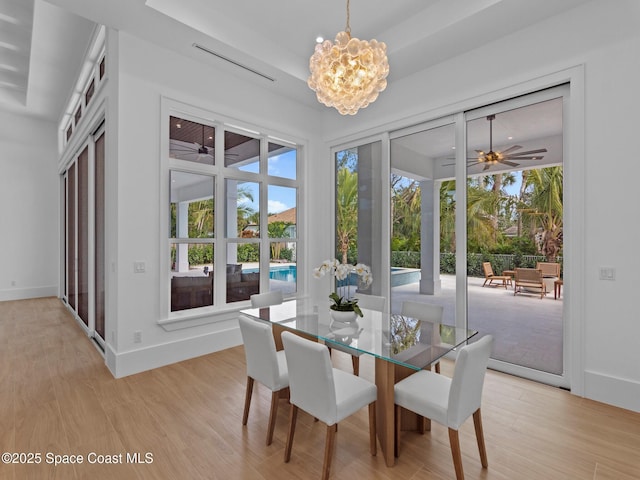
385 381
387 375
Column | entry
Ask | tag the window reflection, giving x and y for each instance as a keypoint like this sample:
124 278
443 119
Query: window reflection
191 141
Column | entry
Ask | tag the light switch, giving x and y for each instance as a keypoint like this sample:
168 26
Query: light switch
607 273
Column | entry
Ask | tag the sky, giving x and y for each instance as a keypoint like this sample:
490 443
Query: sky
279 198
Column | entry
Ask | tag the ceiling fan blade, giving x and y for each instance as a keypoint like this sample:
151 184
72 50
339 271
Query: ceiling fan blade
511 164
486 167
529 152
525 158
182 149
511 149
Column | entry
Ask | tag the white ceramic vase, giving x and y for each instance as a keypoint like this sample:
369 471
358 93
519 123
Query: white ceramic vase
344 317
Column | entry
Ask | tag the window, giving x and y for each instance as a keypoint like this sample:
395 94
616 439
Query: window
191 222
191 141
232 213
90 91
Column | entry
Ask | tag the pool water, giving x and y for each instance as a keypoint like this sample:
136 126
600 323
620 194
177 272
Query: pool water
285 273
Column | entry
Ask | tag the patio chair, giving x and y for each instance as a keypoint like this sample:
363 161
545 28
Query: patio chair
549 269
529 279
490 277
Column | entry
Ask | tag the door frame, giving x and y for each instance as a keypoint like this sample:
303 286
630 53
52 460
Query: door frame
561 91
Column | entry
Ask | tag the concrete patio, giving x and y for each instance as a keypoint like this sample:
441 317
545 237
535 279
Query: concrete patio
527 330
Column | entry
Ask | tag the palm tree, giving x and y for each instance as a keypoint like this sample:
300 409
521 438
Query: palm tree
545 208
406 212
482 205
346 210
243 206
277 230
448 216
201 216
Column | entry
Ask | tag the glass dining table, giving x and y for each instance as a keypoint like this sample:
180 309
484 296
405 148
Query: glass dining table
400 346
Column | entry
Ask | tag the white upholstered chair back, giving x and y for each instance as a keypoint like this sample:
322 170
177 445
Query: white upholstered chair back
371 302
263 362
465 395
266 299
422 311
311 384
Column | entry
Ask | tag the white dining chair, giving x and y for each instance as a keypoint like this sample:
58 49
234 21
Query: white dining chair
423 311
265 365
449 401
328 394
370 302
266 299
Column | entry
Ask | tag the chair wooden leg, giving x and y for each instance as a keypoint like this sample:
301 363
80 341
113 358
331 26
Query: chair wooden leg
273 413
373 446
438 367
247 400
423 424
397 420
328 450
455 452
477 422
292 428
355 361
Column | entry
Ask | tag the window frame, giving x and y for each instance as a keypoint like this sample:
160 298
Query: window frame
221 174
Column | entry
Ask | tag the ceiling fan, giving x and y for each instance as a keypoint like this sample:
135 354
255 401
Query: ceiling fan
505 157
195 151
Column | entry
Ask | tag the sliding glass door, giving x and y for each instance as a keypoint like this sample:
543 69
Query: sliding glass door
465 248
514 168
423 190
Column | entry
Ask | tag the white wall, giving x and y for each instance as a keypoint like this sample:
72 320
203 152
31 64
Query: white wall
29 198
146 74
603 38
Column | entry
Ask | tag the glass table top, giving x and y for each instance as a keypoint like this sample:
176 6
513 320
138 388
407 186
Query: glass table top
406 341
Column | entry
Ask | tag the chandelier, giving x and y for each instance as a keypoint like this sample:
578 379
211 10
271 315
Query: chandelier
350 73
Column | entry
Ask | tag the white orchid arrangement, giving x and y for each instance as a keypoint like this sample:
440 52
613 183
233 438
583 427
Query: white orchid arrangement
342 271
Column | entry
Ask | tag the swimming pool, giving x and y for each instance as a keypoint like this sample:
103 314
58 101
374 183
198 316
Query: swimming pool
404 276
285 273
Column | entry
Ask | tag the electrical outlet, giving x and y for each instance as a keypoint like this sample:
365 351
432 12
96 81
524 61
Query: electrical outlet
137 336
607 273
139 267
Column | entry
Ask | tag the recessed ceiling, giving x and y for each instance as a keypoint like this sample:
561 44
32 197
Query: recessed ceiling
41 52
274 38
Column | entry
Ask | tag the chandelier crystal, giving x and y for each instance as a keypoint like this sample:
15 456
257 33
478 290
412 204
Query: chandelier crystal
350 73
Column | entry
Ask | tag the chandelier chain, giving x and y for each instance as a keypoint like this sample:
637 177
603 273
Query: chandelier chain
348 28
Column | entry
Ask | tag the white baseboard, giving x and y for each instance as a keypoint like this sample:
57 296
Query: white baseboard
136 361
31 292
620 392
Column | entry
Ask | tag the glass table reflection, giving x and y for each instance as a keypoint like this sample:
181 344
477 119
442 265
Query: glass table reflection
400 345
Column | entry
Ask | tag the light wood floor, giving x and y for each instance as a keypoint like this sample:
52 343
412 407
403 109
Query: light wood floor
57 396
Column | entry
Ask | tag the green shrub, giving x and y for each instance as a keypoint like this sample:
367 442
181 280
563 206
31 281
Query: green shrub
248 252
